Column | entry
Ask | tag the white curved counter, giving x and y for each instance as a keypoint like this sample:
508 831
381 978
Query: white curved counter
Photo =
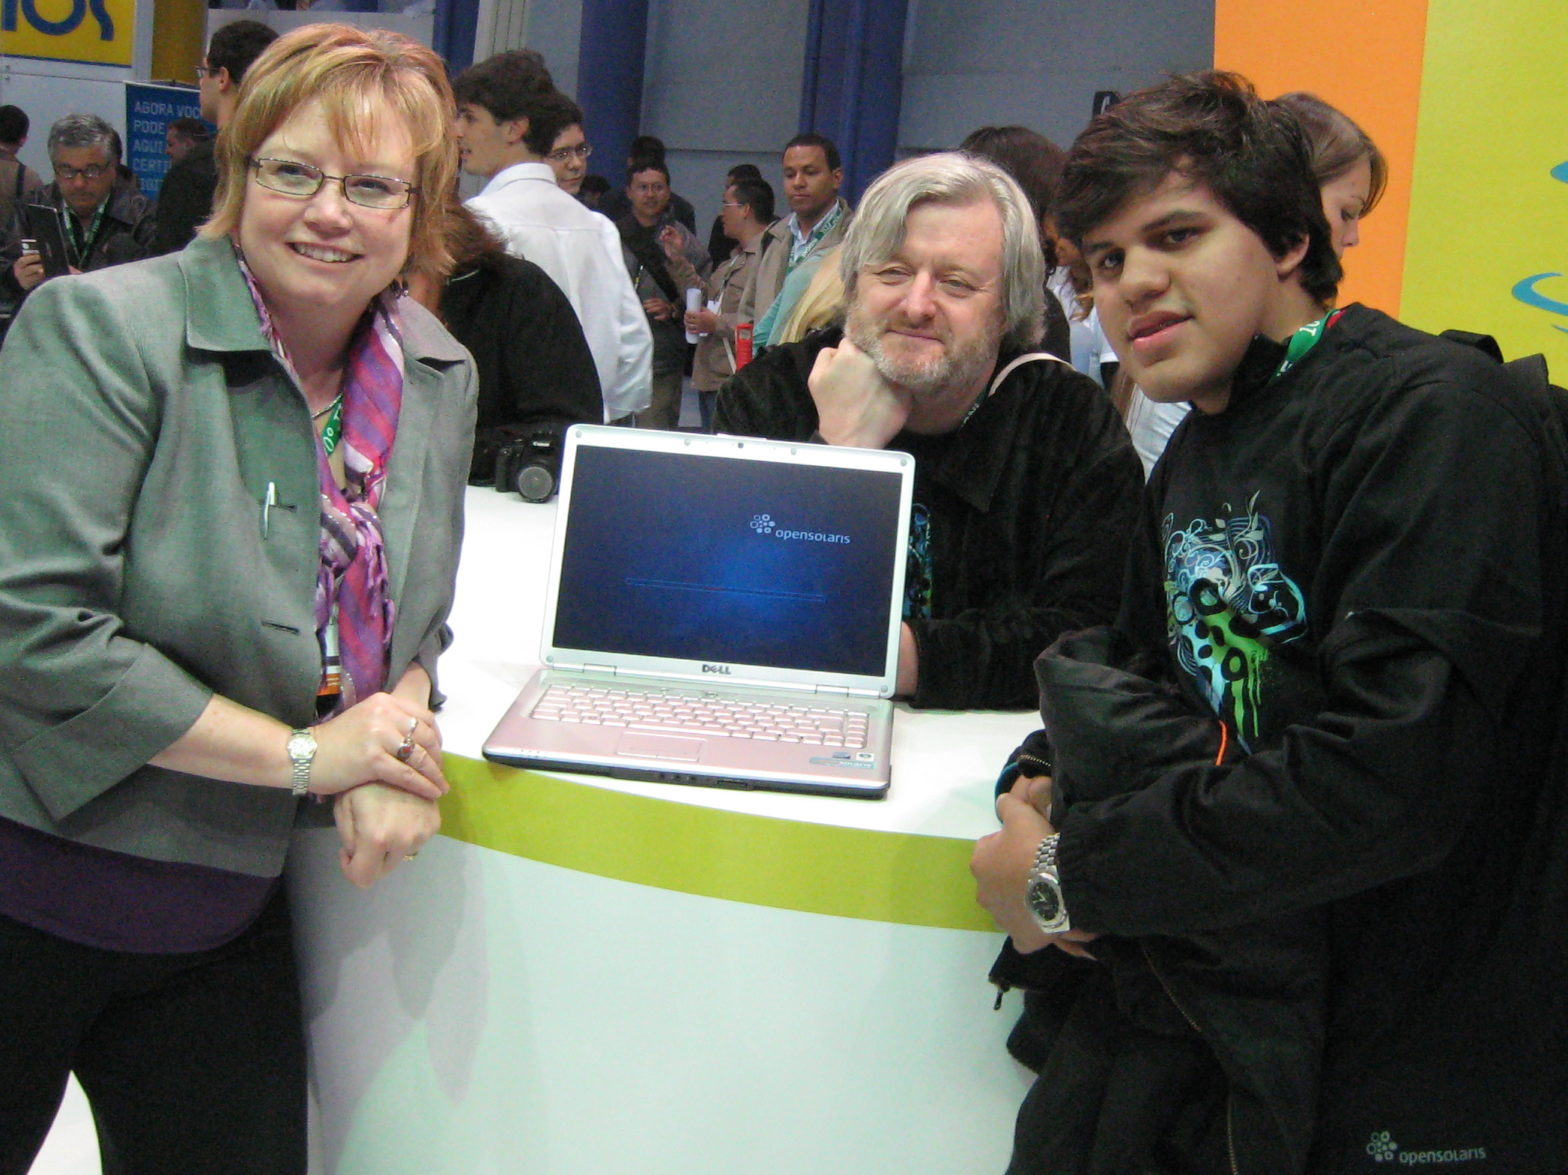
586 976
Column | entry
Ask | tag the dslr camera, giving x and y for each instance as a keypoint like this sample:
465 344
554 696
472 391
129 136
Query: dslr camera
530 465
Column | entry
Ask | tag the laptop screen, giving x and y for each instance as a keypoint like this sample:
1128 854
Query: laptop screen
766 563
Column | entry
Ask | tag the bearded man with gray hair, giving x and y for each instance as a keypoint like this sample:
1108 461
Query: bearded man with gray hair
1025 483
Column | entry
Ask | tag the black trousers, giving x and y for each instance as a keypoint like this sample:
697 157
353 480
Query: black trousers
192 1063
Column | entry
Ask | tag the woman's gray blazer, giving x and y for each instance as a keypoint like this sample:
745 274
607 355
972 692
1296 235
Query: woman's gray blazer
143 418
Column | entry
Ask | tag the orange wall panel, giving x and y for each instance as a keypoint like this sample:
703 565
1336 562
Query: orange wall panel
1364 58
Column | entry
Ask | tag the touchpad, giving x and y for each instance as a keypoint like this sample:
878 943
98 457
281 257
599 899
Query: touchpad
660 746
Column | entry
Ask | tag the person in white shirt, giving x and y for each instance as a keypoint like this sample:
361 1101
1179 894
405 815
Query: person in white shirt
508 117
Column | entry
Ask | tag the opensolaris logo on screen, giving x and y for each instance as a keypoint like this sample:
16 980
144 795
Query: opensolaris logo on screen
764 525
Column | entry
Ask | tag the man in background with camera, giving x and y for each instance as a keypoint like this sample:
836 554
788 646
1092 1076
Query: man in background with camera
102 219
664 259
509 116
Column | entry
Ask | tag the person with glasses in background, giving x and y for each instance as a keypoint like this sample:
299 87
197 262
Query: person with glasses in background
568 158
185 199
745 212
103 219
647 149
231 490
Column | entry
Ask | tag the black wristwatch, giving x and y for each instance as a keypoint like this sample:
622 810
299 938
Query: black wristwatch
1045 889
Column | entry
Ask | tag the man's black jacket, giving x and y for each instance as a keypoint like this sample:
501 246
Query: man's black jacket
1030 504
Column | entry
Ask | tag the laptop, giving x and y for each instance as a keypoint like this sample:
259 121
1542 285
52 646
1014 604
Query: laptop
700 584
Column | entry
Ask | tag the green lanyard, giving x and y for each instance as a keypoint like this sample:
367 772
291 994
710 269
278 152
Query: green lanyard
74 227
332 431
1300 343
799 251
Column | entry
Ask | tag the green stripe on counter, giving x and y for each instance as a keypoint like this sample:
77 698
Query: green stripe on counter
762 860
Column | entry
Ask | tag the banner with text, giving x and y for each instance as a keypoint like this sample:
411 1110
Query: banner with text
95 32
149 110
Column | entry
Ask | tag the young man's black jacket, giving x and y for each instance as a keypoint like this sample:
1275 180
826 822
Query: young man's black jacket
1360 567
1029 503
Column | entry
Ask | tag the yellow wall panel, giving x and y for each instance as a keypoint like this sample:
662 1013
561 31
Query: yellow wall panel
100 32
1487 213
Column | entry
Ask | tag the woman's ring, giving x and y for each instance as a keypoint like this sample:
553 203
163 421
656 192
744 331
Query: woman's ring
405 750
410 856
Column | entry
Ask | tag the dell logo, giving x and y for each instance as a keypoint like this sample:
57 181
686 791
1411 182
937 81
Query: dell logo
724 669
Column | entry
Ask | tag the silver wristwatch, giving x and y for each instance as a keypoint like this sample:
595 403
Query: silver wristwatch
302 752
1045 889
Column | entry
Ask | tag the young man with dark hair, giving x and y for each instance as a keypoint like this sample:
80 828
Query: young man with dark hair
1288 821
509 115
231 52
19 185
185 196
826 145
663 258
647 149
504 84
794 246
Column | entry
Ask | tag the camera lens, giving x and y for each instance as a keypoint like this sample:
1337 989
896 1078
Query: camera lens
535 483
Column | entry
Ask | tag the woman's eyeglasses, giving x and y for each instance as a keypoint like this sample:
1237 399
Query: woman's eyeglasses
582 151
304 180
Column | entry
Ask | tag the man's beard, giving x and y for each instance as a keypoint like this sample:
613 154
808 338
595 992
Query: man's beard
955 370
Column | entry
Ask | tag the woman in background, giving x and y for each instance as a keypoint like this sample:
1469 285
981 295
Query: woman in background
1350 170
230 507
1036 163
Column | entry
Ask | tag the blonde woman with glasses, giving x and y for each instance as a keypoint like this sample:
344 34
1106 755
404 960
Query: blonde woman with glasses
230 508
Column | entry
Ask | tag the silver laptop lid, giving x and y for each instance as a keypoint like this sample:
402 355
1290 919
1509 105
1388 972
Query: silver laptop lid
733 559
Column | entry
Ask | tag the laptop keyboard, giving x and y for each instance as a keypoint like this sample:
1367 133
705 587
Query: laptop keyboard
672 711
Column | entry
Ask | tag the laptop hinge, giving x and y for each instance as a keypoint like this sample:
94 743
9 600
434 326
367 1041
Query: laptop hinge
568 668
843 691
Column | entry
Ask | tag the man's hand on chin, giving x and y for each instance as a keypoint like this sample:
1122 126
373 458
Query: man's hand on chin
855 405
